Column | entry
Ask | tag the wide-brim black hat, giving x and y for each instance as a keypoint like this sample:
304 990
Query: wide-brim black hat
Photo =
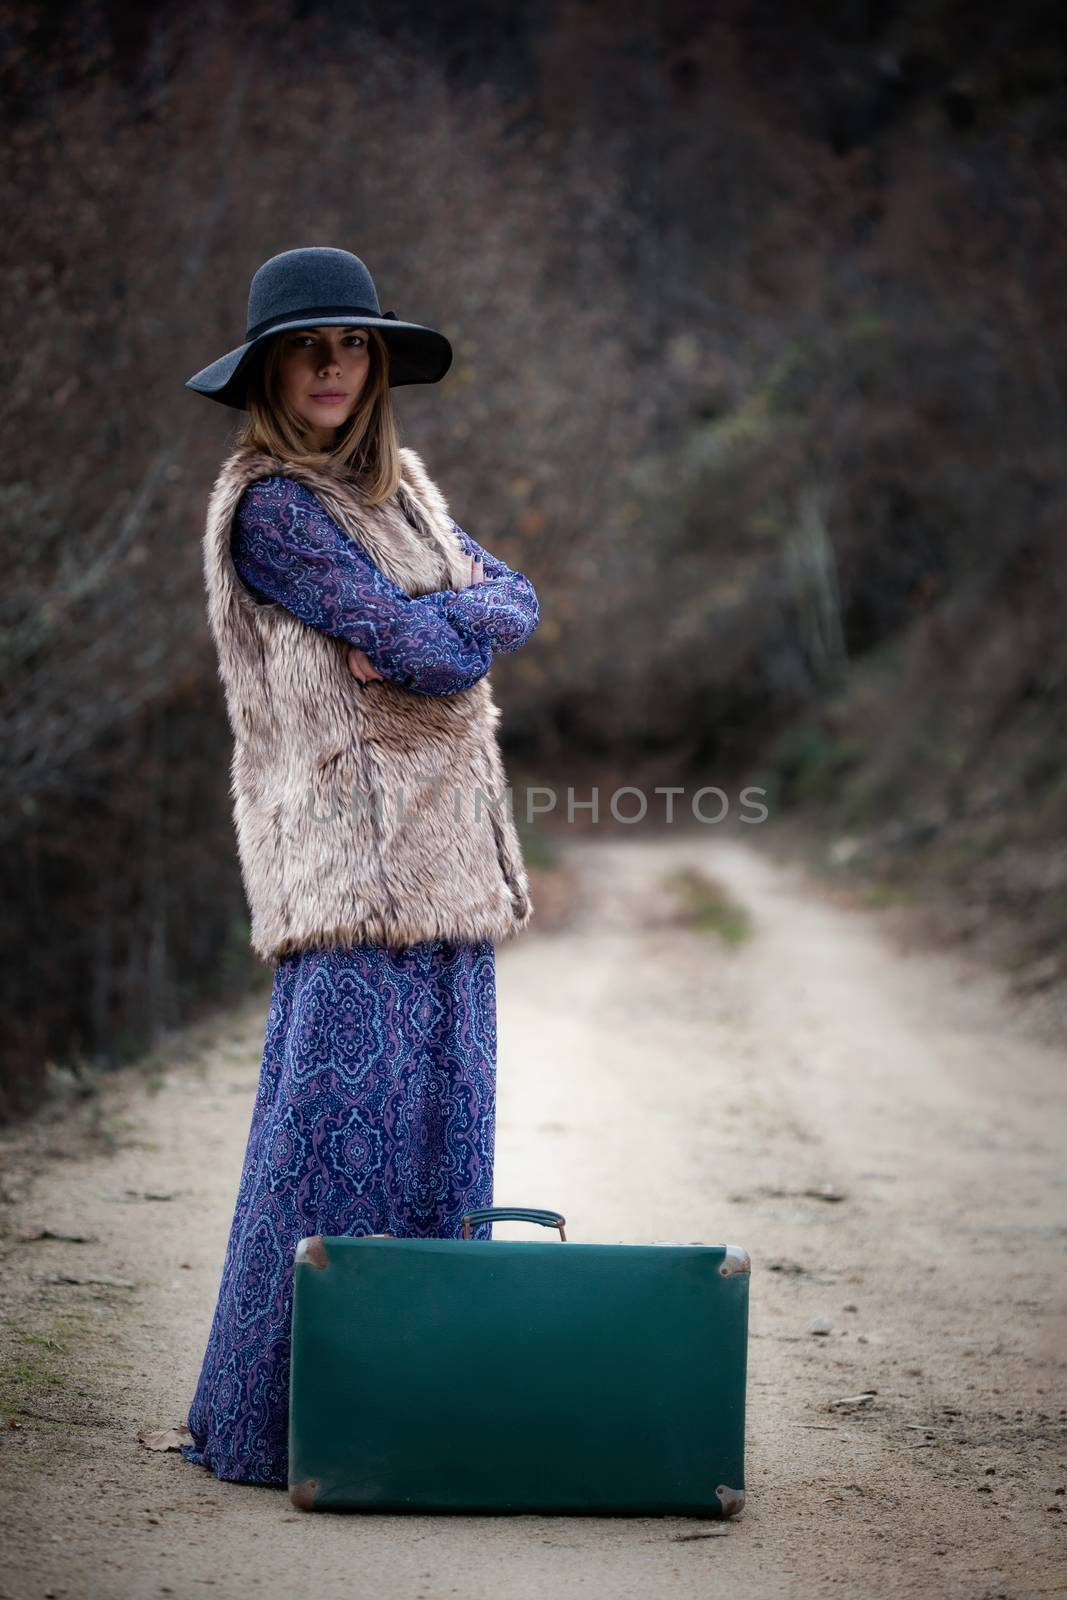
321 287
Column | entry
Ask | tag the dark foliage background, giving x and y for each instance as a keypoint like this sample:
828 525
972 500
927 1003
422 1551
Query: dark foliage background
759 321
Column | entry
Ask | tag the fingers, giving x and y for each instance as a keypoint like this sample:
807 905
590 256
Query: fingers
361 666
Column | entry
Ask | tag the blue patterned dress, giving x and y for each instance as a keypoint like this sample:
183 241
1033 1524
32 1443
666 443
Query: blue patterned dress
375 1109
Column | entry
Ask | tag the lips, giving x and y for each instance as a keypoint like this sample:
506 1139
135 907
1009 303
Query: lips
329 396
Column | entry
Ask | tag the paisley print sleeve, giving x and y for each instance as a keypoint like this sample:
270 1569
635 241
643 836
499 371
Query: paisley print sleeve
287 548
502 608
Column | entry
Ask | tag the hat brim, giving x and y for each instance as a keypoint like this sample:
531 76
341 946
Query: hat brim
416 355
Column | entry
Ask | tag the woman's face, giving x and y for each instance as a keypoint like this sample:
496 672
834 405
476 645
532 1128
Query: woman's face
322 372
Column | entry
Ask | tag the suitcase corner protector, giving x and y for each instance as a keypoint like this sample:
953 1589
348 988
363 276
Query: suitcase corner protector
312 1251
303 1494
731 1500
736 1259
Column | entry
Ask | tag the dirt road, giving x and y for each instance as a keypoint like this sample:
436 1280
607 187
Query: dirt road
864 1118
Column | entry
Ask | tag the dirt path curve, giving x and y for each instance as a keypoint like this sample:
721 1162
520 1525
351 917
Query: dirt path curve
654 1083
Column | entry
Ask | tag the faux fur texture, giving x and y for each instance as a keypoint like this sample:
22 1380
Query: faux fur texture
364 813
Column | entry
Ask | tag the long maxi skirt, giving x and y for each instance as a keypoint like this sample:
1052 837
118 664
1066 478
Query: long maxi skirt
375 1113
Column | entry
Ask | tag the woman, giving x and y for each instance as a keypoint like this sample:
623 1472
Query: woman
354 623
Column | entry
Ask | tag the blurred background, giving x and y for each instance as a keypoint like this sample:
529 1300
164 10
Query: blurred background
760 361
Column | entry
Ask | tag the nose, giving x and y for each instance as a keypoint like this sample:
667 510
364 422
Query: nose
329 363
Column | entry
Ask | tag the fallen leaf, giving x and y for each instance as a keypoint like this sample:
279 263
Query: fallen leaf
167 1438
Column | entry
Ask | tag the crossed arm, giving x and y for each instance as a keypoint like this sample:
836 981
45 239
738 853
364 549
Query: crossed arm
503 607
286 548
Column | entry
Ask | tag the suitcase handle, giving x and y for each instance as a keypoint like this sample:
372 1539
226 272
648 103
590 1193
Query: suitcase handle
548 1219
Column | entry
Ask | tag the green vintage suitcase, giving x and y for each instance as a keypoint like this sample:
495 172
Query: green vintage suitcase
513 1375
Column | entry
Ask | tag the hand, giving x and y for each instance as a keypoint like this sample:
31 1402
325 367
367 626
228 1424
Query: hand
361 666
477 572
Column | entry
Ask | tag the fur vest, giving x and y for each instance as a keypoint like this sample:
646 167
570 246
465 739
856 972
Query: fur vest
364 813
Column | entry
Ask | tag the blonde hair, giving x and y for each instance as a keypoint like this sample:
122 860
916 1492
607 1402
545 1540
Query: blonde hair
366 451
